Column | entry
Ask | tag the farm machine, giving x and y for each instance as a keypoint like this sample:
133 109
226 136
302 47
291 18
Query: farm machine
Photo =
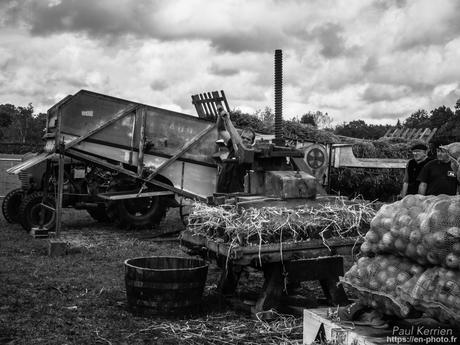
127 163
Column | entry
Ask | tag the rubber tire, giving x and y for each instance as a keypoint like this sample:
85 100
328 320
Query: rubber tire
122 212
10 205
30 208
99 214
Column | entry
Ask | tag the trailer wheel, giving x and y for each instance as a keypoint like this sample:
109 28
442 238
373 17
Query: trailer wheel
10 205
99 213
31 208
139 213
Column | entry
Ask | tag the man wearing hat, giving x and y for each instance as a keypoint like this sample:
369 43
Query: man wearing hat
439 176
413 168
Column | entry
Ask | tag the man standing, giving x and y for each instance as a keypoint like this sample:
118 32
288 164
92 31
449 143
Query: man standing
413 168
231 175
439 176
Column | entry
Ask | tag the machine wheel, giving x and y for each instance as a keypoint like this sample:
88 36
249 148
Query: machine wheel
141 213
99 213
30 211
10 205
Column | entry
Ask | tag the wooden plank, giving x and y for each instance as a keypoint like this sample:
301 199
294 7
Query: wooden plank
212 103
140 160
198 106
403 132
433 131
425 132
417 133
387 133
125 195
256 255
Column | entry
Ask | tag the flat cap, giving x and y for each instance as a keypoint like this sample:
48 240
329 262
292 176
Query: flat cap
419 147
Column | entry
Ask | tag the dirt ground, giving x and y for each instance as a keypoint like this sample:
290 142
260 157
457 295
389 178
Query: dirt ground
79 298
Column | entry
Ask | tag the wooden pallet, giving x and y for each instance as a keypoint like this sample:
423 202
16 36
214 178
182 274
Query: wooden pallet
281 264
422 134
277 252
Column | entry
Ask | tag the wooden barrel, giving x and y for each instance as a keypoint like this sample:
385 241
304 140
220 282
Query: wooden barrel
164 285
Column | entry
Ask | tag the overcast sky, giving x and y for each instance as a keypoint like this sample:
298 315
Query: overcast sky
374 60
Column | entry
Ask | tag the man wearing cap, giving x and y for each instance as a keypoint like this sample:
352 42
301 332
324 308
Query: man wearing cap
439 176
231 175
413 168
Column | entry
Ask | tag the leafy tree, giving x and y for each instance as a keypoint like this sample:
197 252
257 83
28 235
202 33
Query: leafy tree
360 129
316 119
440 116
6 114
309 119
267 116
419 119
23 125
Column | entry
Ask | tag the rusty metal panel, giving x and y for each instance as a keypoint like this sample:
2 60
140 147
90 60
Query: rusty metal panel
166 132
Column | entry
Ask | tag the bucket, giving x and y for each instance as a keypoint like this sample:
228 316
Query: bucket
164 285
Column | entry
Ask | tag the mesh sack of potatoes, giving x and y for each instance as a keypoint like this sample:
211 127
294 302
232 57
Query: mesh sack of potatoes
453 149
425 229
375 281
436 292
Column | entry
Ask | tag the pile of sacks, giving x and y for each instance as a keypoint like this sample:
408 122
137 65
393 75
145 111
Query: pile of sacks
411 261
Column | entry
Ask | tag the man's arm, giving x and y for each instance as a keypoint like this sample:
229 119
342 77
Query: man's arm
422 188
424 178
230 130
404 189
221 129
405 182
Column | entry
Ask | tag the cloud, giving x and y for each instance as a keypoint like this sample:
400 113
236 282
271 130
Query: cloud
330 37
379 92
372 60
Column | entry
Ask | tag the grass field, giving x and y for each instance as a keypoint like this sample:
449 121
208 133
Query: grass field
80 298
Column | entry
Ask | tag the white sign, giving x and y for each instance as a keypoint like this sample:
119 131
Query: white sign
87 113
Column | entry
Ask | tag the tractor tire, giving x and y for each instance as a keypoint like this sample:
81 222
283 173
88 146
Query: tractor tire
141 213
32 206
99 214
10 205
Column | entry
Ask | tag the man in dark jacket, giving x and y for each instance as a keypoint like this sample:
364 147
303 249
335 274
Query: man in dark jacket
440 176
413 168
231 175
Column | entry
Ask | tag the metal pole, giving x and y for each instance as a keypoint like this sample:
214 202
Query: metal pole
279 141
60 189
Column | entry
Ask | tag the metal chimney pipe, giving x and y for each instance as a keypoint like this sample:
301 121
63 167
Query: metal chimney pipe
279 141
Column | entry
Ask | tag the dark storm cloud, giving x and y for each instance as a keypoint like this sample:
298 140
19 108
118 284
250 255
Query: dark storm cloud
331 39
113 20
96 18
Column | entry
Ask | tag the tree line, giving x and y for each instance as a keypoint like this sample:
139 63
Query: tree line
19 124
